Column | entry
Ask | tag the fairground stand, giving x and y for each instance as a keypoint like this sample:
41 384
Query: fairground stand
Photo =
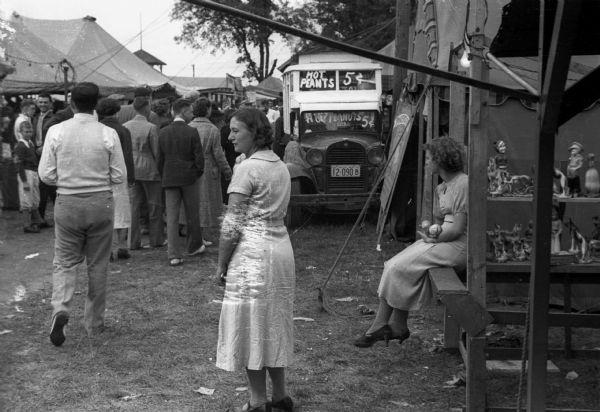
554 31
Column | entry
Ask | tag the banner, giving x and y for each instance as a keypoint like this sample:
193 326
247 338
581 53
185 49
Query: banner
398 142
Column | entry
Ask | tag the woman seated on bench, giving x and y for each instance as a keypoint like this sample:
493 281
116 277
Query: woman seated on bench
405 285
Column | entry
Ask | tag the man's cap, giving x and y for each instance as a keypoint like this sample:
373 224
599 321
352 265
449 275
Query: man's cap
107 107
142 92
576 145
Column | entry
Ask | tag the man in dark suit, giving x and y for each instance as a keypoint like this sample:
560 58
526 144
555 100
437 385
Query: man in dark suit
180 164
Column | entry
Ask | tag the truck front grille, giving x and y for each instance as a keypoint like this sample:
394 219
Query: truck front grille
346 153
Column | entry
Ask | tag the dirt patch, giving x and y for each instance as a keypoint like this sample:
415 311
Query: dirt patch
160 343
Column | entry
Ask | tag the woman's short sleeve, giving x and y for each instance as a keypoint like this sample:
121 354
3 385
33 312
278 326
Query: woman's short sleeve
241 181
461 197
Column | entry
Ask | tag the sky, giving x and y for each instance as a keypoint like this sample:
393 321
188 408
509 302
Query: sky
121 18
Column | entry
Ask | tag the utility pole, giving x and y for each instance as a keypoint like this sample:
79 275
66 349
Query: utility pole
64 64
403 12
141 32
193 70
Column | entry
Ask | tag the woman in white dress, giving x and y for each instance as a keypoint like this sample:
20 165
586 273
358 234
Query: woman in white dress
405 285
257 261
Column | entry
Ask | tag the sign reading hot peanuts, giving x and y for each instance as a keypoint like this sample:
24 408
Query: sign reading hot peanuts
318 80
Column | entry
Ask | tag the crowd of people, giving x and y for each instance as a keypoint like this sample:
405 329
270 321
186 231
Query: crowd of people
106 165
109 167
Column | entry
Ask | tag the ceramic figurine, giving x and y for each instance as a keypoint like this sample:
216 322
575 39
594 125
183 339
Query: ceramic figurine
556 231
499 162
592 179
579 244
575 163
561 188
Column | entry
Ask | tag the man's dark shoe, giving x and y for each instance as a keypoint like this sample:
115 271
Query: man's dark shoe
57 333
31 229
45 225
123 254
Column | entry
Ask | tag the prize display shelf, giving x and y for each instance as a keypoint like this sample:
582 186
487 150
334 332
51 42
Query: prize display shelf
567 275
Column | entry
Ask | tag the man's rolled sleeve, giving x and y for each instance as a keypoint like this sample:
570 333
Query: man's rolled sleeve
47 166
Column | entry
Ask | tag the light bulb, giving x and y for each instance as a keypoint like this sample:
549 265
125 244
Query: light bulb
464 60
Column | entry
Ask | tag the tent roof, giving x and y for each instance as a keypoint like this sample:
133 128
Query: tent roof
149 58
39 46
205 83
271 83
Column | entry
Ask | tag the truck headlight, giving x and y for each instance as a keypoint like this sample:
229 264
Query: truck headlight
314 157
375 155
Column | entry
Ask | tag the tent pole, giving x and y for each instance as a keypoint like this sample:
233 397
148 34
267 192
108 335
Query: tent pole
511 74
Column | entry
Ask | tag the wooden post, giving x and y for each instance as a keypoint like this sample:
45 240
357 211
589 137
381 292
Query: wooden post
477 217
457 112
402 35
427 198
552 90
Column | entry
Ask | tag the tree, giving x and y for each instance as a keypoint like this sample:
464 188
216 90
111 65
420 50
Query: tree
348 19
206 28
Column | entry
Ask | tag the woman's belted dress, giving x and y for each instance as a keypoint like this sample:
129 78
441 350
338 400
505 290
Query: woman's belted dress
256 324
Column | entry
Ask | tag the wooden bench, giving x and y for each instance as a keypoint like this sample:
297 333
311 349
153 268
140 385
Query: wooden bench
461 310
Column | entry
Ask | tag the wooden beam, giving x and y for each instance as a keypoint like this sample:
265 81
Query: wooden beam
363 52
552 90
580 95
477 216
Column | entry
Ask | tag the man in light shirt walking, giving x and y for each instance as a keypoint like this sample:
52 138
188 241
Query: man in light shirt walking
83 158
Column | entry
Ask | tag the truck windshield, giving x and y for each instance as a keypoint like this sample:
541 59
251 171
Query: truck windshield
340 120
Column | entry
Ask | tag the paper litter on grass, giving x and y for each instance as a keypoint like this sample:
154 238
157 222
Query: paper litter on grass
346 299
204 391
5 331
304 319
32 256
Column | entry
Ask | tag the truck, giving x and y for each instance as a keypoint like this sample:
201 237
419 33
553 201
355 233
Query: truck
332 110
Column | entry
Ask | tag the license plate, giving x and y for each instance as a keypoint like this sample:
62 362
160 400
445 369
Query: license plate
345 171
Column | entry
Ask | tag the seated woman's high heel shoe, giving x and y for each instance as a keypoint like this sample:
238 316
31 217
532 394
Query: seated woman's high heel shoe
368 339
284 404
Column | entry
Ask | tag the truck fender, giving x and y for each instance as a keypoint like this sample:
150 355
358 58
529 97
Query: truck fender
298 171
301 173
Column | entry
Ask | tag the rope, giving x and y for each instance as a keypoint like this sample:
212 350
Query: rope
523 374
322 296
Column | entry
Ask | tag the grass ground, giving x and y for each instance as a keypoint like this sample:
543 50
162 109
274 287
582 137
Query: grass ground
162 330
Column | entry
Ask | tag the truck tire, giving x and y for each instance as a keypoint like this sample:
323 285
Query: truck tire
293 218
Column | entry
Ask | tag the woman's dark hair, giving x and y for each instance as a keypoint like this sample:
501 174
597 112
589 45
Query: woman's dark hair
256 121
201 107
447 153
